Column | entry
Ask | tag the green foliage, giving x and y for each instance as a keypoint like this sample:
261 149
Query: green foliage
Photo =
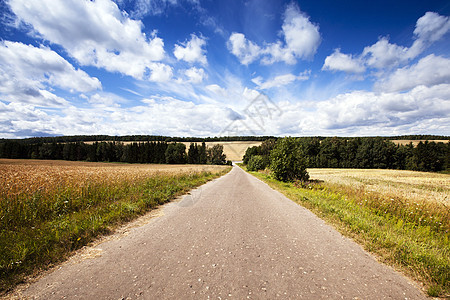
256 163
287 160
216 155
176 153
263 150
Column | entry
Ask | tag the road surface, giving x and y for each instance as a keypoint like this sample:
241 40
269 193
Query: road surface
233 238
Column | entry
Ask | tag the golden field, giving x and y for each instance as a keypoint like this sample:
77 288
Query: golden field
412 185
19 176
416 142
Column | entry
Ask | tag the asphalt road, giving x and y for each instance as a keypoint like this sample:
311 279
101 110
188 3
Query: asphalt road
233 238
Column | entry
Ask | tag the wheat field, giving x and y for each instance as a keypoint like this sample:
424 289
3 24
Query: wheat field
412 185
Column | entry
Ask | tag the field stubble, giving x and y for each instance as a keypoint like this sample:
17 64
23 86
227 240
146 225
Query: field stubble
50 208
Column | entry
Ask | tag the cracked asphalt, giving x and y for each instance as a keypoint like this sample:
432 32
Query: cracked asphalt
232 238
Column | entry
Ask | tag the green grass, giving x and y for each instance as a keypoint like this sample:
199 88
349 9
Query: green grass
413 237
41 230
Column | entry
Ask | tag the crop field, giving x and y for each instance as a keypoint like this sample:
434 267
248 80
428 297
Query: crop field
401 216
411 185
416 142
50 208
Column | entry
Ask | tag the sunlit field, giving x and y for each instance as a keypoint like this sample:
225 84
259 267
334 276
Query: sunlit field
50 208
416 142
411 185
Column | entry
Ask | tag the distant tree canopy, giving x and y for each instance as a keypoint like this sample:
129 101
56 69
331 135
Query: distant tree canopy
367 153
136 152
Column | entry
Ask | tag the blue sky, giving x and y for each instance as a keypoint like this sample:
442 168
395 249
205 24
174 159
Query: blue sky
210 68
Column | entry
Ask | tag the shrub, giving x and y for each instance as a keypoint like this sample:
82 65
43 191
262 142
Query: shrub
287 161
256 163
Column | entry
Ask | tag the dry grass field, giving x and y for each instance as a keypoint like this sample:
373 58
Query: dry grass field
416 142
411 185
19 176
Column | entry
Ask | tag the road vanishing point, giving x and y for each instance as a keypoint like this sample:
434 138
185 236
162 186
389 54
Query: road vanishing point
232 238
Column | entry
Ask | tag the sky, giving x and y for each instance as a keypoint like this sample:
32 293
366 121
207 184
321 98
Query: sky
199 68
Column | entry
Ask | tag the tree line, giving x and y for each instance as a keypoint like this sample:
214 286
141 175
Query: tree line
159 152
134 138
360 153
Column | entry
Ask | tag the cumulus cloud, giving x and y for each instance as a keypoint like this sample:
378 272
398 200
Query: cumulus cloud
430 70
385 55
360 109
246 51
343 62
27 73
195 75
192 51
301 40
160 72
280 80
104 37
432 27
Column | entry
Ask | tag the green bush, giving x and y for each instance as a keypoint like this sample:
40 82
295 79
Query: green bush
256 163
287 161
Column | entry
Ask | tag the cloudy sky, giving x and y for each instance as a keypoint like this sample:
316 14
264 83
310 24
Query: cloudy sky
209 68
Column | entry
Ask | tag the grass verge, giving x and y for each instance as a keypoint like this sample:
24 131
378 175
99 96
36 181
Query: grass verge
413 237
44 227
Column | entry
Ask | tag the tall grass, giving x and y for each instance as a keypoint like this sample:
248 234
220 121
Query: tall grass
41 224
411 235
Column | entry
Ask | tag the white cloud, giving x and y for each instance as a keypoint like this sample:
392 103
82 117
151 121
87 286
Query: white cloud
430 70
160 72
104 37
142 8
192 51
246 51
280 80
362 109
423 109
28 73
301 40
432 27
216 89
385 55
343 62
195 75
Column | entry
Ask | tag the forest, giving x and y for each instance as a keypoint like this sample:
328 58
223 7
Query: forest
136 152
359 153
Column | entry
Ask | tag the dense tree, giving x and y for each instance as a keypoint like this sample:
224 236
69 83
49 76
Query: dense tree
193 154
216 155
176 153
287 160
256 163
